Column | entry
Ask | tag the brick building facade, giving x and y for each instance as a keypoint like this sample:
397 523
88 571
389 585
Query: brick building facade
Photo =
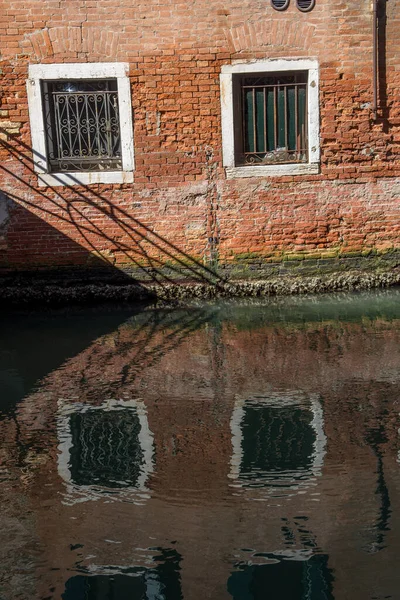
236 135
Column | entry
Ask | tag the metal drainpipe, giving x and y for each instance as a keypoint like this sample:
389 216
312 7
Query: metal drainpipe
375 60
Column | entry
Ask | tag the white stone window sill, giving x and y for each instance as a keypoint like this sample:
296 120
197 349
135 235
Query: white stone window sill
272 170
78 178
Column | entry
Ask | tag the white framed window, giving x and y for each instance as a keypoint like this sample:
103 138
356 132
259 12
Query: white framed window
270 117
81 123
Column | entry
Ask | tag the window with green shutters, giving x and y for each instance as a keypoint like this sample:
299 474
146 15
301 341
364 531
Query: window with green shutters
271 110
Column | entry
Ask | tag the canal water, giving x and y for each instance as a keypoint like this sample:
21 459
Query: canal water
234 450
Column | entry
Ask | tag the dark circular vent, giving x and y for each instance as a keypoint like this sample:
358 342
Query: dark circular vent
280 4
305 5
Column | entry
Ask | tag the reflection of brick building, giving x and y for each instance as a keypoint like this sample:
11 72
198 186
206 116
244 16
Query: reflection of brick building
192 501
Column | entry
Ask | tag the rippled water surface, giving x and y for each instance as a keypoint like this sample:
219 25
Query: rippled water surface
238 450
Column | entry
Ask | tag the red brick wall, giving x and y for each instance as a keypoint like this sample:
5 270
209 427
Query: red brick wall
175 52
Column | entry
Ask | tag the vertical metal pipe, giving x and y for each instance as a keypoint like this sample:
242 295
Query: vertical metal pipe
285 110
375 61
296 120
265 119
275 119
254 120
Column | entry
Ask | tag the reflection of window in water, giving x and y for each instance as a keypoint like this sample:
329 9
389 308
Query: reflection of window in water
105 449
159 583
278 441
283 580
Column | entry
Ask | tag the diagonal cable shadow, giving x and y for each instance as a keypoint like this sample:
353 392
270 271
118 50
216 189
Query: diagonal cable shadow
179 264
158 334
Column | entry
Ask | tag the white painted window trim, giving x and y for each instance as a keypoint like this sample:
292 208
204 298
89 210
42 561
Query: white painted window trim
227 117
82 493
119 71
279 399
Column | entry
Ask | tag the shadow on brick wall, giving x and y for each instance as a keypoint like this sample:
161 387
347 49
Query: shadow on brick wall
30 242
89 215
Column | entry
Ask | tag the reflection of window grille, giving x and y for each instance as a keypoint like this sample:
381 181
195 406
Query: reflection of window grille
301 579
278 443
123 587
274 118
82 125
160 582
105 448
276 440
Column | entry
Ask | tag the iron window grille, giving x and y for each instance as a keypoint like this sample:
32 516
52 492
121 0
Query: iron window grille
280 4
82 125
305 5
271 111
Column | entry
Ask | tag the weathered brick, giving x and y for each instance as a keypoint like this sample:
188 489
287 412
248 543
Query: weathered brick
175 54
